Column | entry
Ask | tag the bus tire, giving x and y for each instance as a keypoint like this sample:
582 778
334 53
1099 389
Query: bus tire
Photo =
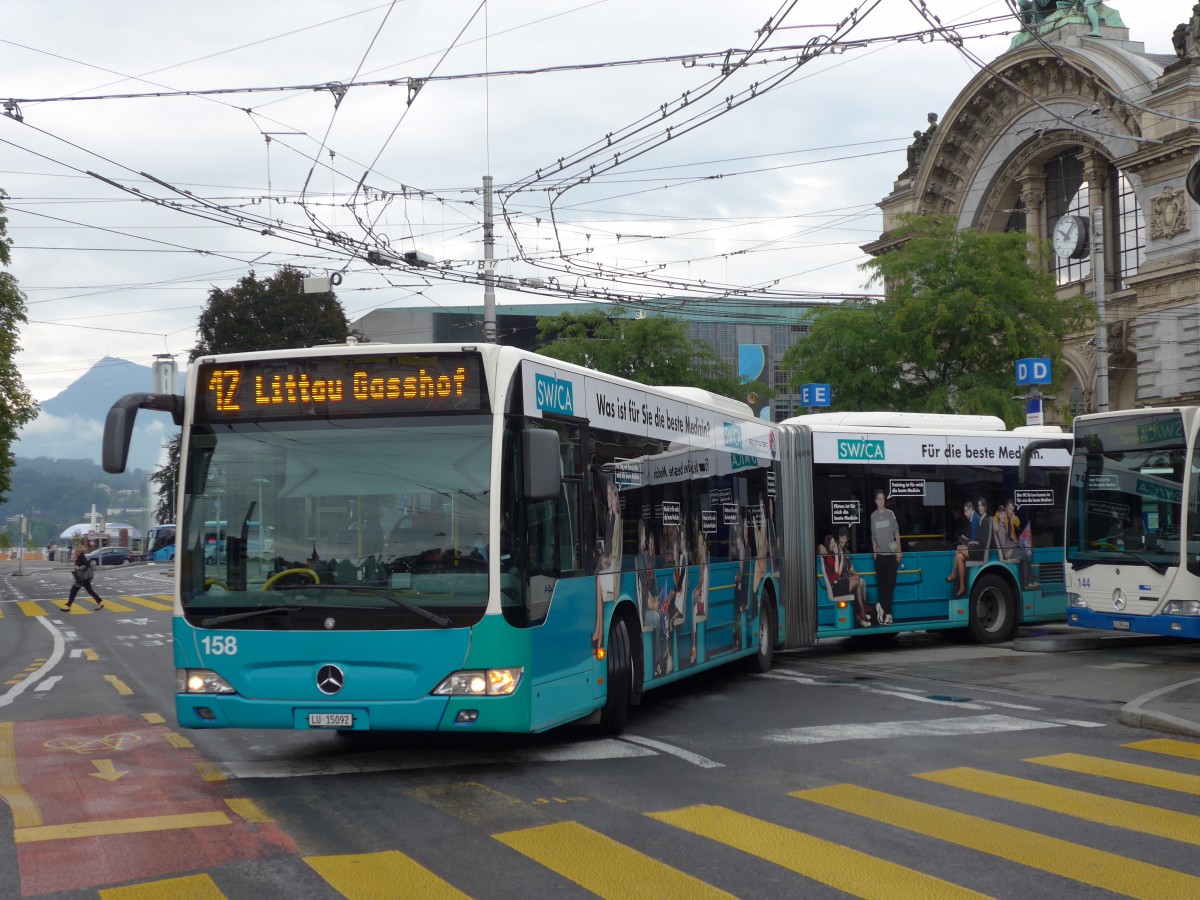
615 712
761 661
993 612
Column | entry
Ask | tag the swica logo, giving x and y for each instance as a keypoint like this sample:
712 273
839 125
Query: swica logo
733 435
554 395
859 449
330 679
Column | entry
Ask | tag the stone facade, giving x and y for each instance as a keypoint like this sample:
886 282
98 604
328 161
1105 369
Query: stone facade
1072 119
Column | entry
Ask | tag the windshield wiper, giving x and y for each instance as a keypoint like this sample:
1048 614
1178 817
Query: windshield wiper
1156 566
213 621
435 618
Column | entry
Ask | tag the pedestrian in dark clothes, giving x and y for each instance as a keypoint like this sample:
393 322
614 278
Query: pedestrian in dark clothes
83 579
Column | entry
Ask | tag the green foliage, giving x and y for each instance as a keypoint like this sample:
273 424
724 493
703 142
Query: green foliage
655 350
165 480
961 308
17 406
271 314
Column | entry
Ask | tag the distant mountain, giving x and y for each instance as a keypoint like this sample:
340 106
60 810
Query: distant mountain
71 423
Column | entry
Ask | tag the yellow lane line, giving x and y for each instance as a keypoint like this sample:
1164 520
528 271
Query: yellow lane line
149 604
1107 871
121 687
836 865
247 810
599 864
190 887
153 718
90 655
1167 747
376 875
25 810
1119 771
178 741
139 825
209 771
1093 807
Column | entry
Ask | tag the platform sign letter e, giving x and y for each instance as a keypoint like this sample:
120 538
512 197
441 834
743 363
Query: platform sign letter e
1033 371
555 395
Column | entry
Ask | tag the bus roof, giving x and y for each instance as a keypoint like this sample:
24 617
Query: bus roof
936 422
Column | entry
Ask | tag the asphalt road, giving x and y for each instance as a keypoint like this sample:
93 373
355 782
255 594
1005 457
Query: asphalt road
916 767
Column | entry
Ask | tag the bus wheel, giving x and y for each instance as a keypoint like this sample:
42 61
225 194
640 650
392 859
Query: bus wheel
761 661
992 613
615 711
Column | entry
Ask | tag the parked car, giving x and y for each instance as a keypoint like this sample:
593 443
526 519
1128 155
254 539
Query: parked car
110 556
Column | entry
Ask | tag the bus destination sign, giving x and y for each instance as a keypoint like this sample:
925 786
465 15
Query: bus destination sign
340 386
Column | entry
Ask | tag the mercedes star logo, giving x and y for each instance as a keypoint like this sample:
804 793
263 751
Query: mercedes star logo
330 679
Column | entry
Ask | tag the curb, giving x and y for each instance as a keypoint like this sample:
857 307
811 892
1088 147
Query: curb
1134 715
1058 643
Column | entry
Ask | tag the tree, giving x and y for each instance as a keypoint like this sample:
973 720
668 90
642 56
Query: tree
271 314
961 308
17 406
654 350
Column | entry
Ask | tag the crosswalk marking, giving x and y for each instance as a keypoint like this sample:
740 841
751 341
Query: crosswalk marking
1108 871
190 887
1167 747
149 604
832 864
1121 771
33 609
603 866
1093 807
374 876
115 606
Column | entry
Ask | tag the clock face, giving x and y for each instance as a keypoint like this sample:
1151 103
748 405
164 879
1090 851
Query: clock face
1070 237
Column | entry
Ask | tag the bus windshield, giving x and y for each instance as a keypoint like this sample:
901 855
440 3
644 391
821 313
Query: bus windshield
368 523
1127 491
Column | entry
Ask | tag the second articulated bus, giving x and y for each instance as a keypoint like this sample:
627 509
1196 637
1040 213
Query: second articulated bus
928 482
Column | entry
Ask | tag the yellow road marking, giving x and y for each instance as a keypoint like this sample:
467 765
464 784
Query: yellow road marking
381 875
178 741
247 810
1119 771
209 771
138 825
1086 865
121 687
91 655
149 604
1167 747
190 887
33 609
25 811
1093 807
117 607
153 718
599 864
830 863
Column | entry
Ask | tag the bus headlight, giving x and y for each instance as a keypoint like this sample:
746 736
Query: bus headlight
1076 601
200 681
481 682
1182 608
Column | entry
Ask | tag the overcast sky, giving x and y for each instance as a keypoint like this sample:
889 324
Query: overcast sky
767 180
